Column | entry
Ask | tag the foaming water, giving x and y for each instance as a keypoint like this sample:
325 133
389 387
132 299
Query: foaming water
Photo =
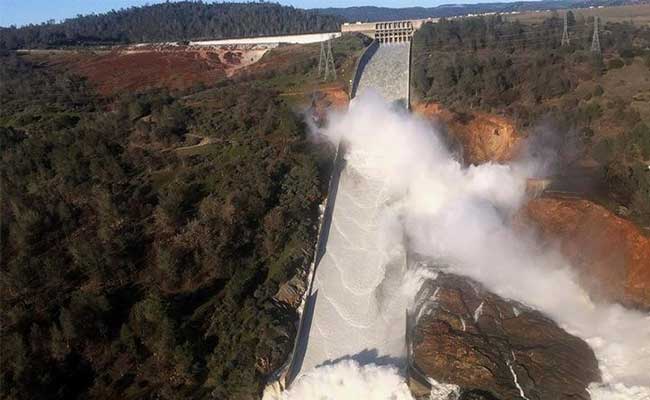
347 380
459 217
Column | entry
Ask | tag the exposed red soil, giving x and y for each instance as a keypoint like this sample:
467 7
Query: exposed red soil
119 72
336 97
611 255
327 99
139 69
483 137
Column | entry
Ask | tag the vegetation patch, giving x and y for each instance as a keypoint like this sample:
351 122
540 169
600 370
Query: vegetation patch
132 270
594 103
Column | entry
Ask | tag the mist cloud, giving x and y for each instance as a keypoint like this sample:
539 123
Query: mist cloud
347 380
458 217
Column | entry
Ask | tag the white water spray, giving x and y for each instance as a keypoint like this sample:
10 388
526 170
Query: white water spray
458 217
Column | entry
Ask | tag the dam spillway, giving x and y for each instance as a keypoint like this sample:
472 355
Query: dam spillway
387 73
353 309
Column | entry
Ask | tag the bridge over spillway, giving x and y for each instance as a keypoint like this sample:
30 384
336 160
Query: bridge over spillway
352 311
387 31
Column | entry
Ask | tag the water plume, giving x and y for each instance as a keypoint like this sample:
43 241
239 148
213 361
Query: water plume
347 380
459 217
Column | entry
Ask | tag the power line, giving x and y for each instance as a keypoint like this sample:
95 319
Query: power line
536 35
536 40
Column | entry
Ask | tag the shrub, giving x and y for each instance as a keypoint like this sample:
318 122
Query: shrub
598 91
615 63
604 150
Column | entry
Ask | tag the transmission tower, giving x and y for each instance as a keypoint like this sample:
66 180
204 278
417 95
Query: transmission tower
322 60
565 34
326 63
595 42
330 69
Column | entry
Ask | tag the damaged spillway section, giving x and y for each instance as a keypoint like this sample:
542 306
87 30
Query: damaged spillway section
496 316
352 312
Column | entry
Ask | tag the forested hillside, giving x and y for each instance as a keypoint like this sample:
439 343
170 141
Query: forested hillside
372 13
170 21
145 237
597 105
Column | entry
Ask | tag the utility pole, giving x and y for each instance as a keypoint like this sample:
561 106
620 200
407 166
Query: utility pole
565 34
595 42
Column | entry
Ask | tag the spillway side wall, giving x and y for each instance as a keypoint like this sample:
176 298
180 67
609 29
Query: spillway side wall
362 61
408 78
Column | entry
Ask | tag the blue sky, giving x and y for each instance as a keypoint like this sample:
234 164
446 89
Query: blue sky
21 12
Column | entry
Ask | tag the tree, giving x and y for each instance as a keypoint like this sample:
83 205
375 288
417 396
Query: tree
59 346
128 339
67 325
171 21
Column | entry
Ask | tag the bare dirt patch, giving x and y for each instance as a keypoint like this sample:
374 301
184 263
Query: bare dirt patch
610 254
136 69
483 137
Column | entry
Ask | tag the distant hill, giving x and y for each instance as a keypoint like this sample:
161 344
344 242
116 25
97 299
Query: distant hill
171 22
369 13
188 20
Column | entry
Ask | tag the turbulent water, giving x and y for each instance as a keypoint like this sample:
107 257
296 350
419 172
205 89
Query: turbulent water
387 72
402 187
354 311
458 217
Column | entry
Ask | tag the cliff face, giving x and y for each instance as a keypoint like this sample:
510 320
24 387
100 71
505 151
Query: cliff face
611 254
483 137
497 349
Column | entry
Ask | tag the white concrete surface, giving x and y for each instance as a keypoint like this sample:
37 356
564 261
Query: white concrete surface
358 311
271 40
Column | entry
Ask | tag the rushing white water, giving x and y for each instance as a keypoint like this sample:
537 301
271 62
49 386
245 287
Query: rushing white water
357 314
348 380
458 216
515 378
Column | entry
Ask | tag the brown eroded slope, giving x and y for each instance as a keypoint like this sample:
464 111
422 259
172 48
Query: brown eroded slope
611 254
142 68
328 99
483 137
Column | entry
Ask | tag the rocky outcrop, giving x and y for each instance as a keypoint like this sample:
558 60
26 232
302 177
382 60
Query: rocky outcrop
292 292
495 348
483 137
611 255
